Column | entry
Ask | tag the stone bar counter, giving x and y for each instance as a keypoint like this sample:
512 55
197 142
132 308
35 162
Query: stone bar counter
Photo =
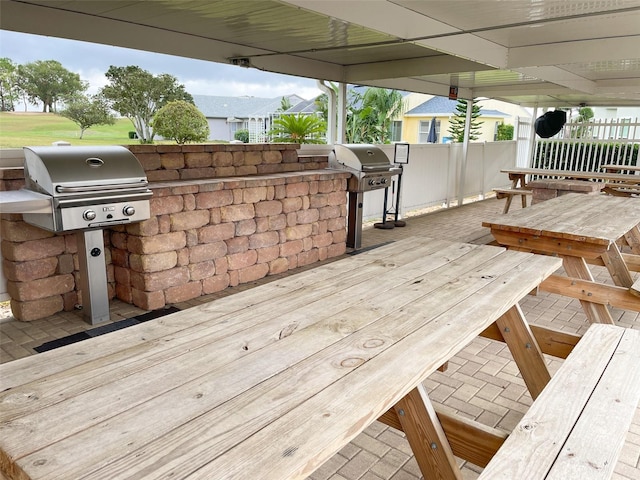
221 215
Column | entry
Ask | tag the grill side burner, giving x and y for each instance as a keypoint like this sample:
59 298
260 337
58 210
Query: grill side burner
371 170
90 188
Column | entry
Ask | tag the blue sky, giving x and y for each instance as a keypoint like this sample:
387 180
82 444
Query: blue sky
91 61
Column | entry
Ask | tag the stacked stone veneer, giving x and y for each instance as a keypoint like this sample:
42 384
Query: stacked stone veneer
204 235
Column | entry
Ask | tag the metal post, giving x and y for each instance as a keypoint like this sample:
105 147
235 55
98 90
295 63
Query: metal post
93 276
465 149
354 225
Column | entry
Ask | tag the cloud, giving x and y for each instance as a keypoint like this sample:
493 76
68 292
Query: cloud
199 77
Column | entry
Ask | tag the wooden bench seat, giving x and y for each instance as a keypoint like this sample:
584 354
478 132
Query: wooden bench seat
509 193
576 428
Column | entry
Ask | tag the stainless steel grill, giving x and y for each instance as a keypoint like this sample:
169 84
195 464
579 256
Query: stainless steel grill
371 170
89 188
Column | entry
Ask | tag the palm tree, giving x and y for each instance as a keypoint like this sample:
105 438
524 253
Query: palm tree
385 105
298 129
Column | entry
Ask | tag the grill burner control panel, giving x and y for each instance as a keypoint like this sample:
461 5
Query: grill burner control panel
81 217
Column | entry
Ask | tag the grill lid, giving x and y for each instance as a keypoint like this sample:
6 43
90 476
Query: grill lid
64 170
361 157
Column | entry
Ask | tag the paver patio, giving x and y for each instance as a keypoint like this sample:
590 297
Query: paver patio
482 382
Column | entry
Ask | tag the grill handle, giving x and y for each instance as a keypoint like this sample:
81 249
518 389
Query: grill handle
93 188
374 168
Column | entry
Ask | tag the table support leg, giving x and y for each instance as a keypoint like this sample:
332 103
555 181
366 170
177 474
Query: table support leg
426 436
525 350
596 312
617 267
633 239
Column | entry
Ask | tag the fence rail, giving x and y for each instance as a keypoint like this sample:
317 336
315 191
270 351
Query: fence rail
587 146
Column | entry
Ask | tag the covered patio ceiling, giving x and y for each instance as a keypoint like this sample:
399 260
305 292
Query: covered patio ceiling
546 53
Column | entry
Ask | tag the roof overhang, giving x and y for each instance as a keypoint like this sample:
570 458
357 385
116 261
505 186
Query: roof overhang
551 54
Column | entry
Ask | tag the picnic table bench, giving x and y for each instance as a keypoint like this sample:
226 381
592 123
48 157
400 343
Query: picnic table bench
576 428
271 382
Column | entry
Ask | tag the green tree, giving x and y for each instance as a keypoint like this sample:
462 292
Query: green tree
48 81
285 104
9 85
384 105
88 111
456 129
298 129
505 132
181 121
369 115
585 114
138 95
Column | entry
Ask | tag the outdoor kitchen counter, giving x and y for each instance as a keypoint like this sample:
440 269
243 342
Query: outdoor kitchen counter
271 382
264 179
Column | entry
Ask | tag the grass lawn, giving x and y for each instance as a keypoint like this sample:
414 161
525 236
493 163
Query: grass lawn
18 129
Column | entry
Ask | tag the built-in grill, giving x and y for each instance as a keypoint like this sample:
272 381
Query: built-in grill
89 188
371 170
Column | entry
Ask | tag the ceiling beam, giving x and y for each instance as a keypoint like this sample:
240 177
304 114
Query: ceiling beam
560 76
414 67
581 51
411 26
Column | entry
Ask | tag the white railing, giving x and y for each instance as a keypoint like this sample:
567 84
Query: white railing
586 146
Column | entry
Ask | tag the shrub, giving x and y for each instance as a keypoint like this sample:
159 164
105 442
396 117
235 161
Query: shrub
181 121
242 135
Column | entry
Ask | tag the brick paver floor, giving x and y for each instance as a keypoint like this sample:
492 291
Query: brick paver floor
482 382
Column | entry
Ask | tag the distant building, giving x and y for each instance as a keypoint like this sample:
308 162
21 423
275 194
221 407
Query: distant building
227 115
415 124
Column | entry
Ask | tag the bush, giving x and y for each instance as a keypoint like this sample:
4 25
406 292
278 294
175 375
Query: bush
181 121
505 132
242 135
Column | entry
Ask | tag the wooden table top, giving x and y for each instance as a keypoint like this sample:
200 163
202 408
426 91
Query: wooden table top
268 383
600 219
609 177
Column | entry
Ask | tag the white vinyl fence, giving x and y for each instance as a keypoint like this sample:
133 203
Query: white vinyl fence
432 177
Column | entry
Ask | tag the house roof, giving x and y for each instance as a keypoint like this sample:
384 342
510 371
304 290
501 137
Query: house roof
240 107
443 106
306 106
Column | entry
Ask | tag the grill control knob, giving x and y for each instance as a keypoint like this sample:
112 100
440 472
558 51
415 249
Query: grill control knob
128 210
372 182
383 181
89 215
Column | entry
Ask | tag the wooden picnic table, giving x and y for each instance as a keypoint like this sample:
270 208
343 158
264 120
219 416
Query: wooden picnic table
610 167
271 382
617 184
581 229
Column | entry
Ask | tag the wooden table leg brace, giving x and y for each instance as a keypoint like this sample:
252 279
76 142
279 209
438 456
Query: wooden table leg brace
426 436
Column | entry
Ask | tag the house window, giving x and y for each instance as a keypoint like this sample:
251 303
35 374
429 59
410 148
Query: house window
423 132
396 131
